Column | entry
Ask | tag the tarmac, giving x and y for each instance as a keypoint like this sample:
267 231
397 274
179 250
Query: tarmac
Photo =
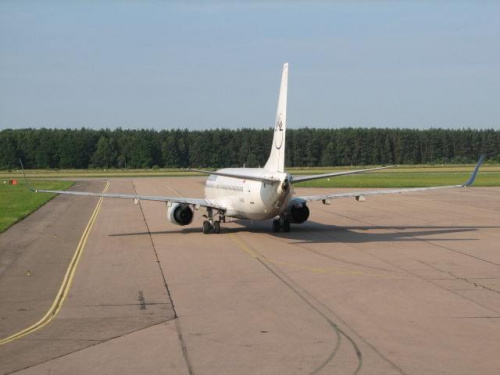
399 284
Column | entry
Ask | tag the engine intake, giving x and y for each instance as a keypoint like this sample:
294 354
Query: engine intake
180 214
299 214
297 211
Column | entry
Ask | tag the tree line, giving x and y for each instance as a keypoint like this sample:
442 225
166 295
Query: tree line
88 148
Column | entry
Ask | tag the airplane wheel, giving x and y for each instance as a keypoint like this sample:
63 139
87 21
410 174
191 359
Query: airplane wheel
217 227
276 226
286 226
206 227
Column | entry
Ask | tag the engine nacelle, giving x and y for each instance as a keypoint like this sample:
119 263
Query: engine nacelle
297 211
180 214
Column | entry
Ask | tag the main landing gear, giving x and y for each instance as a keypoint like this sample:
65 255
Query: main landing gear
212 225
280 223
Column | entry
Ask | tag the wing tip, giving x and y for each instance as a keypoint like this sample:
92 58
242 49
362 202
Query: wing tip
25 178
472 177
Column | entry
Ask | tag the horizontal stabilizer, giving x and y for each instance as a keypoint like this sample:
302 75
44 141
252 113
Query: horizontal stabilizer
269 180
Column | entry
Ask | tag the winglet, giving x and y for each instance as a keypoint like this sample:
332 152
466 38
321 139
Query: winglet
470 181
25 179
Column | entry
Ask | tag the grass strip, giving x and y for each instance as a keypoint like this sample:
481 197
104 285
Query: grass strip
177 172
17 202
403 180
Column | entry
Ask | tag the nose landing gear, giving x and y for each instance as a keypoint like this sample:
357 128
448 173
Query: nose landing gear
212 225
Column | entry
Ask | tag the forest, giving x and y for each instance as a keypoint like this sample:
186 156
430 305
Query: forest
306 147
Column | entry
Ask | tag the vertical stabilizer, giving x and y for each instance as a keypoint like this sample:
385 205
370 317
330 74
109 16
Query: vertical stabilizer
276 161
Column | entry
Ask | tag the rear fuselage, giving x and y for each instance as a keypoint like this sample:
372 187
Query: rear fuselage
250 199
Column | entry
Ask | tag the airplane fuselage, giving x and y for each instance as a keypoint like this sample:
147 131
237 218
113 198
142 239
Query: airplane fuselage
250 199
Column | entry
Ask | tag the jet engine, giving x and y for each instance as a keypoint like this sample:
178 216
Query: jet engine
297 211
180 214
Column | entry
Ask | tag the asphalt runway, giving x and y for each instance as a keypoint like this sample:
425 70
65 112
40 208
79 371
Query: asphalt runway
402 284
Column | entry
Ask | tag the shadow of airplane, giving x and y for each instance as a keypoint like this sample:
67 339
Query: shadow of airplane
313 232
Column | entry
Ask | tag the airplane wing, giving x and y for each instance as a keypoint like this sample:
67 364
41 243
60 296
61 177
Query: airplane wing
361 194
210 203
334 174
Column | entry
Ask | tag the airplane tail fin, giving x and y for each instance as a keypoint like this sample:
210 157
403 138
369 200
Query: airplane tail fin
276 161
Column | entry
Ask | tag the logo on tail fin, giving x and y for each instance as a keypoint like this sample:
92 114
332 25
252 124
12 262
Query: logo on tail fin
278 133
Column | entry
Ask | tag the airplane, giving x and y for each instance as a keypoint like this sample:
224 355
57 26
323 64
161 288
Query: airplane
256 193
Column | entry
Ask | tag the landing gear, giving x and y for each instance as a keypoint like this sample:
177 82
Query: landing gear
281 223
206 227
286 225
276 226
216 226
211 224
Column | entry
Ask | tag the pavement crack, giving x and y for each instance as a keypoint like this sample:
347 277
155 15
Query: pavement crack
156 254
97 342
184 347
456 277
128 304
476 285
181 339
142 300
476 317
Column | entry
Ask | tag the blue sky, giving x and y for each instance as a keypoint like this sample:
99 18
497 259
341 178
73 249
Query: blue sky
201 65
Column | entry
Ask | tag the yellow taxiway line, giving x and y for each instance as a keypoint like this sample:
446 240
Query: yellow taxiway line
66 284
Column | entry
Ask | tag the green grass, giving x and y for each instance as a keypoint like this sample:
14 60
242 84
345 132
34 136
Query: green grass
17 202
404 176
466 168
178 172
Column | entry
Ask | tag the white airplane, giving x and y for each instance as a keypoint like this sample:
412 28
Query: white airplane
256 193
